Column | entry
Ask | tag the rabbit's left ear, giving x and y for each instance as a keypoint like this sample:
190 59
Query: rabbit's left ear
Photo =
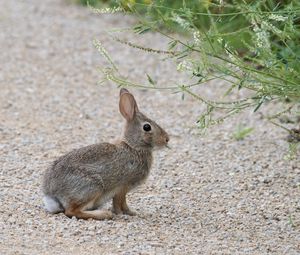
127 104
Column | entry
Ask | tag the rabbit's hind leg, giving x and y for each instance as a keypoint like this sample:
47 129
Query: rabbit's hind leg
95 214
120 204
80 211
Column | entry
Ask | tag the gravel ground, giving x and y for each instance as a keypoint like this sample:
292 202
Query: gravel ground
207 195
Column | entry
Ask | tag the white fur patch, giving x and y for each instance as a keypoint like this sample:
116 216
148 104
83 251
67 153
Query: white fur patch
51 205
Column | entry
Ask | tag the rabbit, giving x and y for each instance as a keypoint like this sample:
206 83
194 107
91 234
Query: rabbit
81 181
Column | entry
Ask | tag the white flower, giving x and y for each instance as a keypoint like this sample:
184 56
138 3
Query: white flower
268 26
262 38
106 10
197 38
182 22
277 17
184 66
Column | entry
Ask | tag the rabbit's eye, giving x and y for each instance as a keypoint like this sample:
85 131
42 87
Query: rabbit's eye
147 127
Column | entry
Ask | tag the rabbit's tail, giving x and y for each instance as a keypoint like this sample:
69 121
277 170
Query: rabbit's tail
52 204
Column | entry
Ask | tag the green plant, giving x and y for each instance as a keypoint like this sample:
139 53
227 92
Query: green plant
291 221
293 150
252 45
242 132
91 2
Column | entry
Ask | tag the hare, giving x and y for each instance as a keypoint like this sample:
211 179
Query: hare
81 181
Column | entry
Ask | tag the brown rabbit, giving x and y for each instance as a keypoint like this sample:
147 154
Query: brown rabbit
79 182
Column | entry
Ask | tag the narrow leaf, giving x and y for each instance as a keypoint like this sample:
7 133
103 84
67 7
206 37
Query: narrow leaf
151 81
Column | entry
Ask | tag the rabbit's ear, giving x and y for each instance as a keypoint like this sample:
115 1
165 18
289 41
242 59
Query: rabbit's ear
123 90
127 104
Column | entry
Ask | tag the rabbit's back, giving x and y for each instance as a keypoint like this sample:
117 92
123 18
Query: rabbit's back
70 171
102 167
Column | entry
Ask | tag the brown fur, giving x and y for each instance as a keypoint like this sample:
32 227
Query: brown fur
78 212
120 204
81 181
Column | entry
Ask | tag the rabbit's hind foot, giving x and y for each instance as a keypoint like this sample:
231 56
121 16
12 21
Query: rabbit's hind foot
82 211
95 214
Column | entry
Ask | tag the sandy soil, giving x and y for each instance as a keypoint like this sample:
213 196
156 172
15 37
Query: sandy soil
207 195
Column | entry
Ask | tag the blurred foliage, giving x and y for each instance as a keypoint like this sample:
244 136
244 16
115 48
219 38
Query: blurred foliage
253 45
228 22
242 132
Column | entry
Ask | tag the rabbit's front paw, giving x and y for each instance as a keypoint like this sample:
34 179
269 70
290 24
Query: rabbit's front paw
117 210
129 212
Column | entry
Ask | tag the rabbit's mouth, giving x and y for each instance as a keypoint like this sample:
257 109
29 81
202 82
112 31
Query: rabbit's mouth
161 146
168 146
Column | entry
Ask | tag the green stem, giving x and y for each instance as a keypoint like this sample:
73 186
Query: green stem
224 59
221 14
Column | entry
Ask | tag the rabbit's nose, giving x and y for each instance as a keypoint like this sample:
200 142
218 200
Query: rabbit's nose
167 139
